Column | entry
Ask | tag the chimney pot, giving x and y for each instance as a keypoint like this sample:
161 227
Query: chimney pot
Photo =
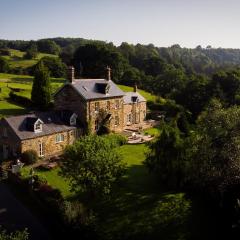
70 73
135 88
108 73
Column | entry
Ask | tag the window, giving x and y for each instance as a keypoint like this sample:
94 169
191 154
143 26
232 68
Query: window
96 106
59 138
108 105
129 118
41 149
116 120
96 125
144 115
116 104
38 126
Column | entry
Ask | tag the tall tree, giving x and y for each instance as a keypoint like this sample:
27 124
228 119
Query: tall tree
165 156
92 165
4 65
41 90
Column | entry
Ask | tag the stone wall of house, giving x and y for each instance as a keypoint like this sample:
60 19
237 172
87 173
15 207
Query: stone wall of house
137 112
69 99
113 106
9 142
50 146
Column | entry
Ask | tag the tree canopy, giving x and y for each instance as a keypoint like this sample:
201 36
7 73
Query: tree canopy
41 89
92 165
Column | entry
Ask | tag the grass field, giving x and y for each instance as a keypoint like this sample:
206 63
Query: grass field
23 82
16 60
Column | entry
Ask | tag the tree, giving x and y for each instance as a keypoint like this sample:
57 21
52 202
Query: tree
48 46
195 95
55 66
4 66
32 51
165 156
215 149
18 235
41 89
92 165
95 57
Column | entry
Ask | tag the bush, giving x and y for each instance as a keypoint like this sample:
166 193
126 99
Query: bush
116 140
20 99
29 157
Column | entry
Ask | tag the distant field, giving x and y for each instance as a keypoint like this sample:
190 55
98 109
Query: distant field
16 60
147 95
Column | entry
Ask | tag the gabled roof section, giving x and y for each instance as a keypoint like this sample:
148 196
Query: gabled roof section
133 97
52 123
95 88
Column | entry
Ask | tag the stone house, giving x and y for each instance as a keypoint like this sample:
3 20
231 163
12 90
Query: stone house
90 99
80 103
48 133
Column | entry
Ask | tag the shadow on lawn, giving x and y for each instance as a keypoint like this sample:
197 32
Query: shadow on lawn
140 208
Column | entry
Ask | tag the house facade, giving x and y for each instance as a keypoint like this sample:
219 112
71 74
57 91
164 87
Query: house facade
45 132
80 103
93 98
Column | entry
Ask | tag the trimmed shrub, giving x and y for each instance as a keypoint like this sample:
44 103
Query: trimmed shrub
29 157
116 140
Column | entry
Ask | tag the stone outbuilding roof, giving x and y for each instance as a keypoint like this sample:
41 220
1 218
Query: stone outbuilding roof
52 123
96 88
133 97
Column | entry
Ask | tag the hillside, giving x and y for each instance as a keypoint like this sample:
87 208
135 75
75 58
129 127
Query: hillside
16 59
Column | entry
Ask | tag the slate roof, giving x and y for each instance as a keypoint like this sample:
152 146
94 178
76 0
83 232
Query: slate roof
93 88
52 123
130 96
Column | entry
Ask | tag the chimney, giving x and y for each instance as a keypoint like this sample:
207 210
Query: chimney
108 73
135 88
70 74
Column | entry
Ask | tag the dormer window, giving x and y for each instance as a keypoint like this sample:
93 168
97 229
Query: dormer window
73 120
38 126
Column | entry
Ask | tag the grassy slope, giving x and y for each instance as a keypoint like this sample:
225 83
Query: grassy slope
147 95
17 60
23 82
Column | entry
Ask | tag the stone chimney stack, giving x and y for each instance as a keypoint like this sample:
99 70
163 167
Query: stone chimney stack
135 88
108 73
70 74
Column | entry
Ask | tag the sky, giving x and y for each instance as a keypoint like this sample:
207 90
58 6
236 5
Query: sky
160 22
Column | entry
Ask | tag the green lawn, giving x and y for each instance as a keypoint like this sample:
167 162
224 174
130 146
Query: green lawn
152 131
52 178
139 206
10 109
147 95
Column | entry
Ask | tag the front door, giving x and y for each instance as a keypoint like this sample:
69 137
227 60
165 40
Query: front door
5 151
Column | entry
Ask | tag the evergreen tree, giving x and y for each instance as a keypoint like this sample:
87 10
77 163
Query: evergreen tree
41 90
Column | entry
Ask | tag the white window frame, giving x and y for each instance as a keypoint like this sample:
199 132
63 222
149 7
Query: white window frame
59 138
38 123
41 149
